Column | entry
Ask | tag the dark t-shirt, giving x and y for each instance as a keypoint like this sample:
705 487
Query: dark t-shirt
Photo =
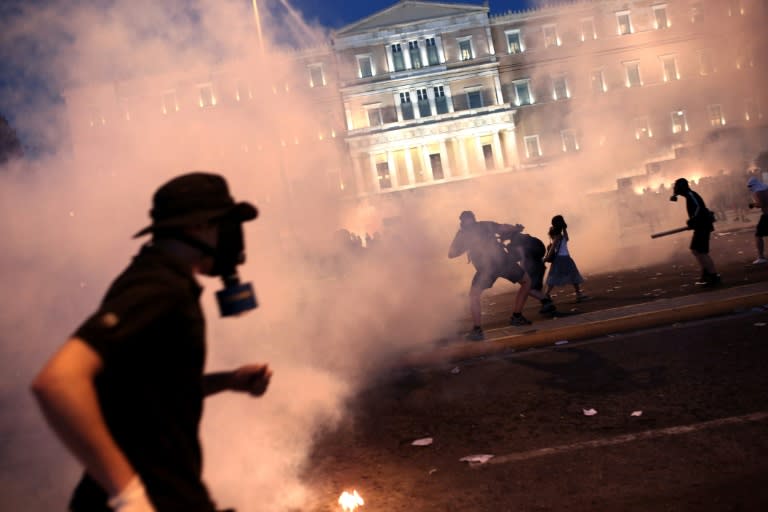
481 240
699 216
150 333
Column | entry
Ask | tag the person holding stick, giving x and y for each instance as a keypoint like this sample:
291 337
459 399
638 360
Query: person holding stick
759 200
701 221
125 392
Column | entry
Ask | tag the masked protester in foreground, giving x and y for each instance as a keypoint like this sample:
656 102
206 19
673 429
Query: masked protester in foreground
759 200
125 392
701 221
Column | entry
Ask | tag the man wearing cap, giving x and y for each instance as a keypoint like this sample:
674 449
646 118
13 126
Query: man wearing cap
701 221
125 391
484 243
759 200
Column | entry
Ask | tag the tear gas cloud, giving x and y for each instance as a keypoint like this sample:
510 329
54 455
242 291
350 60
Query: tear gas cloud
68 218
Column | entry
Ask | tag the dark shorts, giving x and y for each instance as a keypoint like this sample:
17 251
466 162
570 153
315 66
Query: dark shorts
484 279
700 241
762 226
536 270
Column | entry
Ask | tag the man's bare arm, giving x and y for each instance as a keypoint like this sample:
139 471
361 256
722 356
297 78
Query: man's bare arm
253 379
65 391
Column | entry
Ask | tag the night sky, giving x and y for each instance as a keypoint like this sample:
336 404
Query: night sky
337 13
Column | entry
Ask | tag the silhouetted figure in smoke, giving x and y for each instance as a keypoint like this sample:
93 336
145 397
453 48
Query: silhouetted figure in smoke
125 392
563 270
701 221
759 200
483 240
530 253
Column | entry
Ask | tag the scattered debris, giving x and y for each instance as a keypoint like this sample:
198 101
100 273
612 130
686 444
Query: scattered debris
636 413
759 324
561 342
589 412
424 441
477 459
455 370
433 471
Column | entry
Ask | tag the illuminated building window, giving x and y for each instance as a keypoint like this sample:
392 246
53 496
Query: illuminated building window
488 157
532 146
679 122
433 59
96 118
436 163
382 173
570 142
406 107
243 91
169 102
425 110
514 41
206 98
475 99
588 32
397 57
716 118
364 66
660 19
441 102
633 74
374 115
316 75
735 8
624 23
415 54
744 59
706 66
669 67
523 94
597 78
465 48
550 36
642 128
560 89
697 12
751 110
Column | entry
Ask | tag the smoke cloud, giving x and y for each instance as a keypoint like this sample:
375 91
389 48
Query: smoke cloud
328 320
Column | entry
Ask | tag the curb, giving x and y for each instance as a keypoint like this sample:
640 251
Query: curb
632 322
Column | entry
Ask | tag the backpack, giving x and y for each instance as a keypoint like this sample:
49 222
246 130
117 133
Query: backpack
535 247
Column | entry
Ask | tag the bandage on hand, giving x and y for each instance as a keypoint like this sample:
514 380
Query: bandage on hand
133 498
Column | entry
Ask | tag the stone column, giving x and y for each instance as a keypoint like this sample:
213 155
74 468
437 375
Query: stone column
498 155
462 157
409 167
447 171
376 188
427 164
392 169
358 174
480 158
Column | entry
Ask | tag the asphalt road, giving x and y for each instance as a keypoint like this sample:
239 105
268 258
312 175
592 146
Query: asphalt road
698 438
699 443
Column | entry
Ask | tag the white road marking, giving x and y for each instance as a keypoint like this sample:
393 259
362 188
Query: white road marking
628 438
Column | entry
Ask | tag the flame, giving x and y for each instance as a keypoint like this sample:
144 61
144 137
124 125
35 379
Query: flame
350 501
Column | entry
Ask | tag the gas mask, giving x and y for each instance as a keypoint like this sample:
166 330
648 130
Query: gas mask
236 297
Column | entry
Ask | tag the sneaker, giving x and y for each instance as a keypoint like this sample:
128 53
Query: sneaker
760 261
547 307
476 334
713 280
519 320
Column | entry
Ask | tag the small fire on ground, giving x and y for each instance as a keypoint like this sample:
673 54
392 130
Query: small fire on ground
350 501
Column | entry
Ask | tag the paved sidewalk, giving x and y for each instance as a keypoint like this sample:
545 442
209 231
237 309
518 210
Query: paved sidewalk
600 323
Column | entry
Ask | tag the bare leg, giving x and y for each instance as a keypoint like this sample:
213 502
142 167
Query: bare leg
522 294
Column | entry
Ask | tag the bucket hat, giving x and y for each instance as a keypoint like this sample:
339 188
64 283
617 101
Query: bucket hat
195 198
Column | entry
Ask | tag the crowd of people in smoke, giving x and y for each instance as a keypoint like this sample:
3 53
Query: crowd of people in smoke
725 194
